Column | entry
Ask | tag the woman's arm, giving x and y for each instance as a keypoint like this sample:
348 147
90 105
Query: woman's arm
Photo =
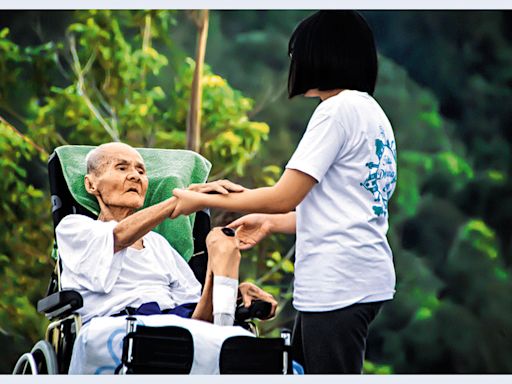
285 223
251 229
283 197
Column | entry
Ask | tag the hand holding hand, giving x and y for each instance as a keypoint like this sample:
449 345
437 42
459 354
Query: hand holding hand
192 199
220 186
187 202
251 229
252 292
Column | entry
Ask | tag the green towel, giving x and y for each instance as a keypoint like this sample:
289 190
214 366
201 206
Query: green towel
166 168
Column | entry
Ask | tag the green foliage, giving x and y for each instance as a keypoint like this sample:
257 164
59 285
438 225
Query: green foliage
229 138
370 368
114 95
25 233
447 319
449 266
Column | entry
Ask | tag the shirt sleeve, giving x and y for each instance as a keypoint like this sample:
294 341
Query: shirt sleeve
320 145
184 286
86 248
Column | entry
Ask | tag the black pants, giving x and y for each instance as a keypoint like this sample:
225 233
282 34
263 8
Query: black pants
333 342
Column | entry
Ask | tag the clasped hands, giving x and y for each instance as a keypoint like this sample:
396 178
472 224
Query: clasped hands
193 199
250 229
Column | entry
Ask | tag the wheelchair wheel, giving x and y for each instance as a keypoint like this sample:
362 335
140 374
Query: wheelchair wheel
40 360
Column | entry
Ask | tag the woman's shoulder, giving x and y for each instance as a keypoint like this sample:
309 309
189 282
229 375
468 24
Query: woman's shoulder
350 98
348 103
344 101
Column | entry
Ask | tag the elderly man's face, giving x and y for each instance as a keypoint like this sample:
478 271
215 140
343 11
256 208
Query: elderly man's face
123 181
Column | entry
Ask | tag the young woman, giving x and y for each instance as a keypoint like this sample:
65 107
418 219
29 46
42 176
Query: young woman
339 181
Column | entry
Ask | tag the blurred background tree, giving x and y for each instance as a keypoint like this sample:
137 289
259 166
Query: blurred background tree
87 77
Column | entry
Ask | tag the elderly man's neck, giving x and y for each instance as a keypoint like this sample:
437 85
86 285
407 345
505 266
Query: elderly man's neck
114 213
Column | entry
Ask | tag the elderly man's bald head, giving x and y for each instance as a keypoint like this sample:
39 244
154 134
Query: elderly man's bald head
98 158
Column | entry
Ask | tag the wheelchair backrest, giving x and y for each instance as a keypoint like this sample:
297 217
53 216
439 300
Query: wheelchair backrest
64 203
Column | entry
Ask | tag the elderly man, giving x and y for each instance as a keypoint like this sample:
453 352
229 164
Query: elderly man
120 266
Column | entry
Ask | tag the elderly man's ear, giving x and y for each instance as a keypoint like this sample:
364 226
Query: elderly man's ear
90 185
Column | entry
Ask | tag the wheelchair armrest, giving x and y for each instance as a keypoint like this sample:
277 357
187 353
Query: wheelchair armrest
258 309
60 303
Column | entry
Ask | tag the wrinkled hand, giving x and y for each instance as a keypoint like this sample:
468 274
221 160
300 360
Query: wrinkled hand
188 202
252 292
220 186
251 229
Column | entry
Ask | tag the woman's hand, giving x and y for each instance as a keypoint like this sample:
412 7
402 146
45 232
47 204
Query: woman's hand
190 200
252 292
220 186
251 229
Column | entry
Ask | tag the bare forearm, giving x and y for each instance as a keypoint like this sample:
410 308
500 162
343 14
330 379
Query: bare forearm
283 223
261 200
283 197
132 228
204 309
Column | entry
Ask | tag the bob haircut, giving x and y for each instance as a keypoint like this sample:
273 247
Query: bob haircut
332 50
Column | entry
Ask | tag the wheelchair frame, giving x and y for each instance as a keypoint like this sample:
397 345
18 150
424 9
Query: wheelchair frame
53 354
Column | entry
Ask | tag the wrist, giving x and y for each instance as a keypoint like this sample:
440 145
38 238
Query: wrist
271 224
279 223
206 200
170 205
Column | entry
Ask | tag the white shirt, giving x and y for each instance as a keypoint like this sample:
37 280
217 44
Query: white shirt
342 254
108 281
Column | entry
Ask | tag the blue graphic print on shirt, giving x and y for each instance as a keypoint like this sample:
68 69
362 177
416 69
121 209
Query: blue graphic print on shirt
381 178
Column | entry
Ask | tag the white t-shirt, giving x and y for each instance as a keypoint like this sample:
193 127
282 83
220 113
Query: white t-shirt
108 281
342 254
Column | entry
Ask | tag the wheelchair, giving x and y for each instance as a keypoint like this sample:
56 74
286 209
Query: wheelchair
146 350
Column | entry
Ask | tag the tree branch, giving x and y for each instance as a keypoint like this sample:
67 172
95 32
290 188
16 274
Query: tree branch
39 149
274 269
79 72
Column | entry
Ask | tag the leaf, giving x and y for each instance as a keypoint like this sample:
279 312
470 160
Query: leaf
288 266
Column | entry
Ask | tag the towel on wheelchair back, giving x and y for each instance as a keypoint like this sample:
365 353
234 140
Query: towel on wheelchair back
98 347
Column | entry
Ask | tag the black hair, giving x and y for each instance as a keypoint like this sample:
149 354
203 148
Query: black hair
332 50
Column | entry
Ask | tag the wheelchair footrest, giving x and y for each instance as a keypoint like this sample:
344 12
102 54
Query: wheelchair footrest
159 350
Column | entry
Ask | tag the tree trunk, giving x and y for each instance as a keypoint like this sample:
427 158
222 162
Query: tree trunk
194 113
